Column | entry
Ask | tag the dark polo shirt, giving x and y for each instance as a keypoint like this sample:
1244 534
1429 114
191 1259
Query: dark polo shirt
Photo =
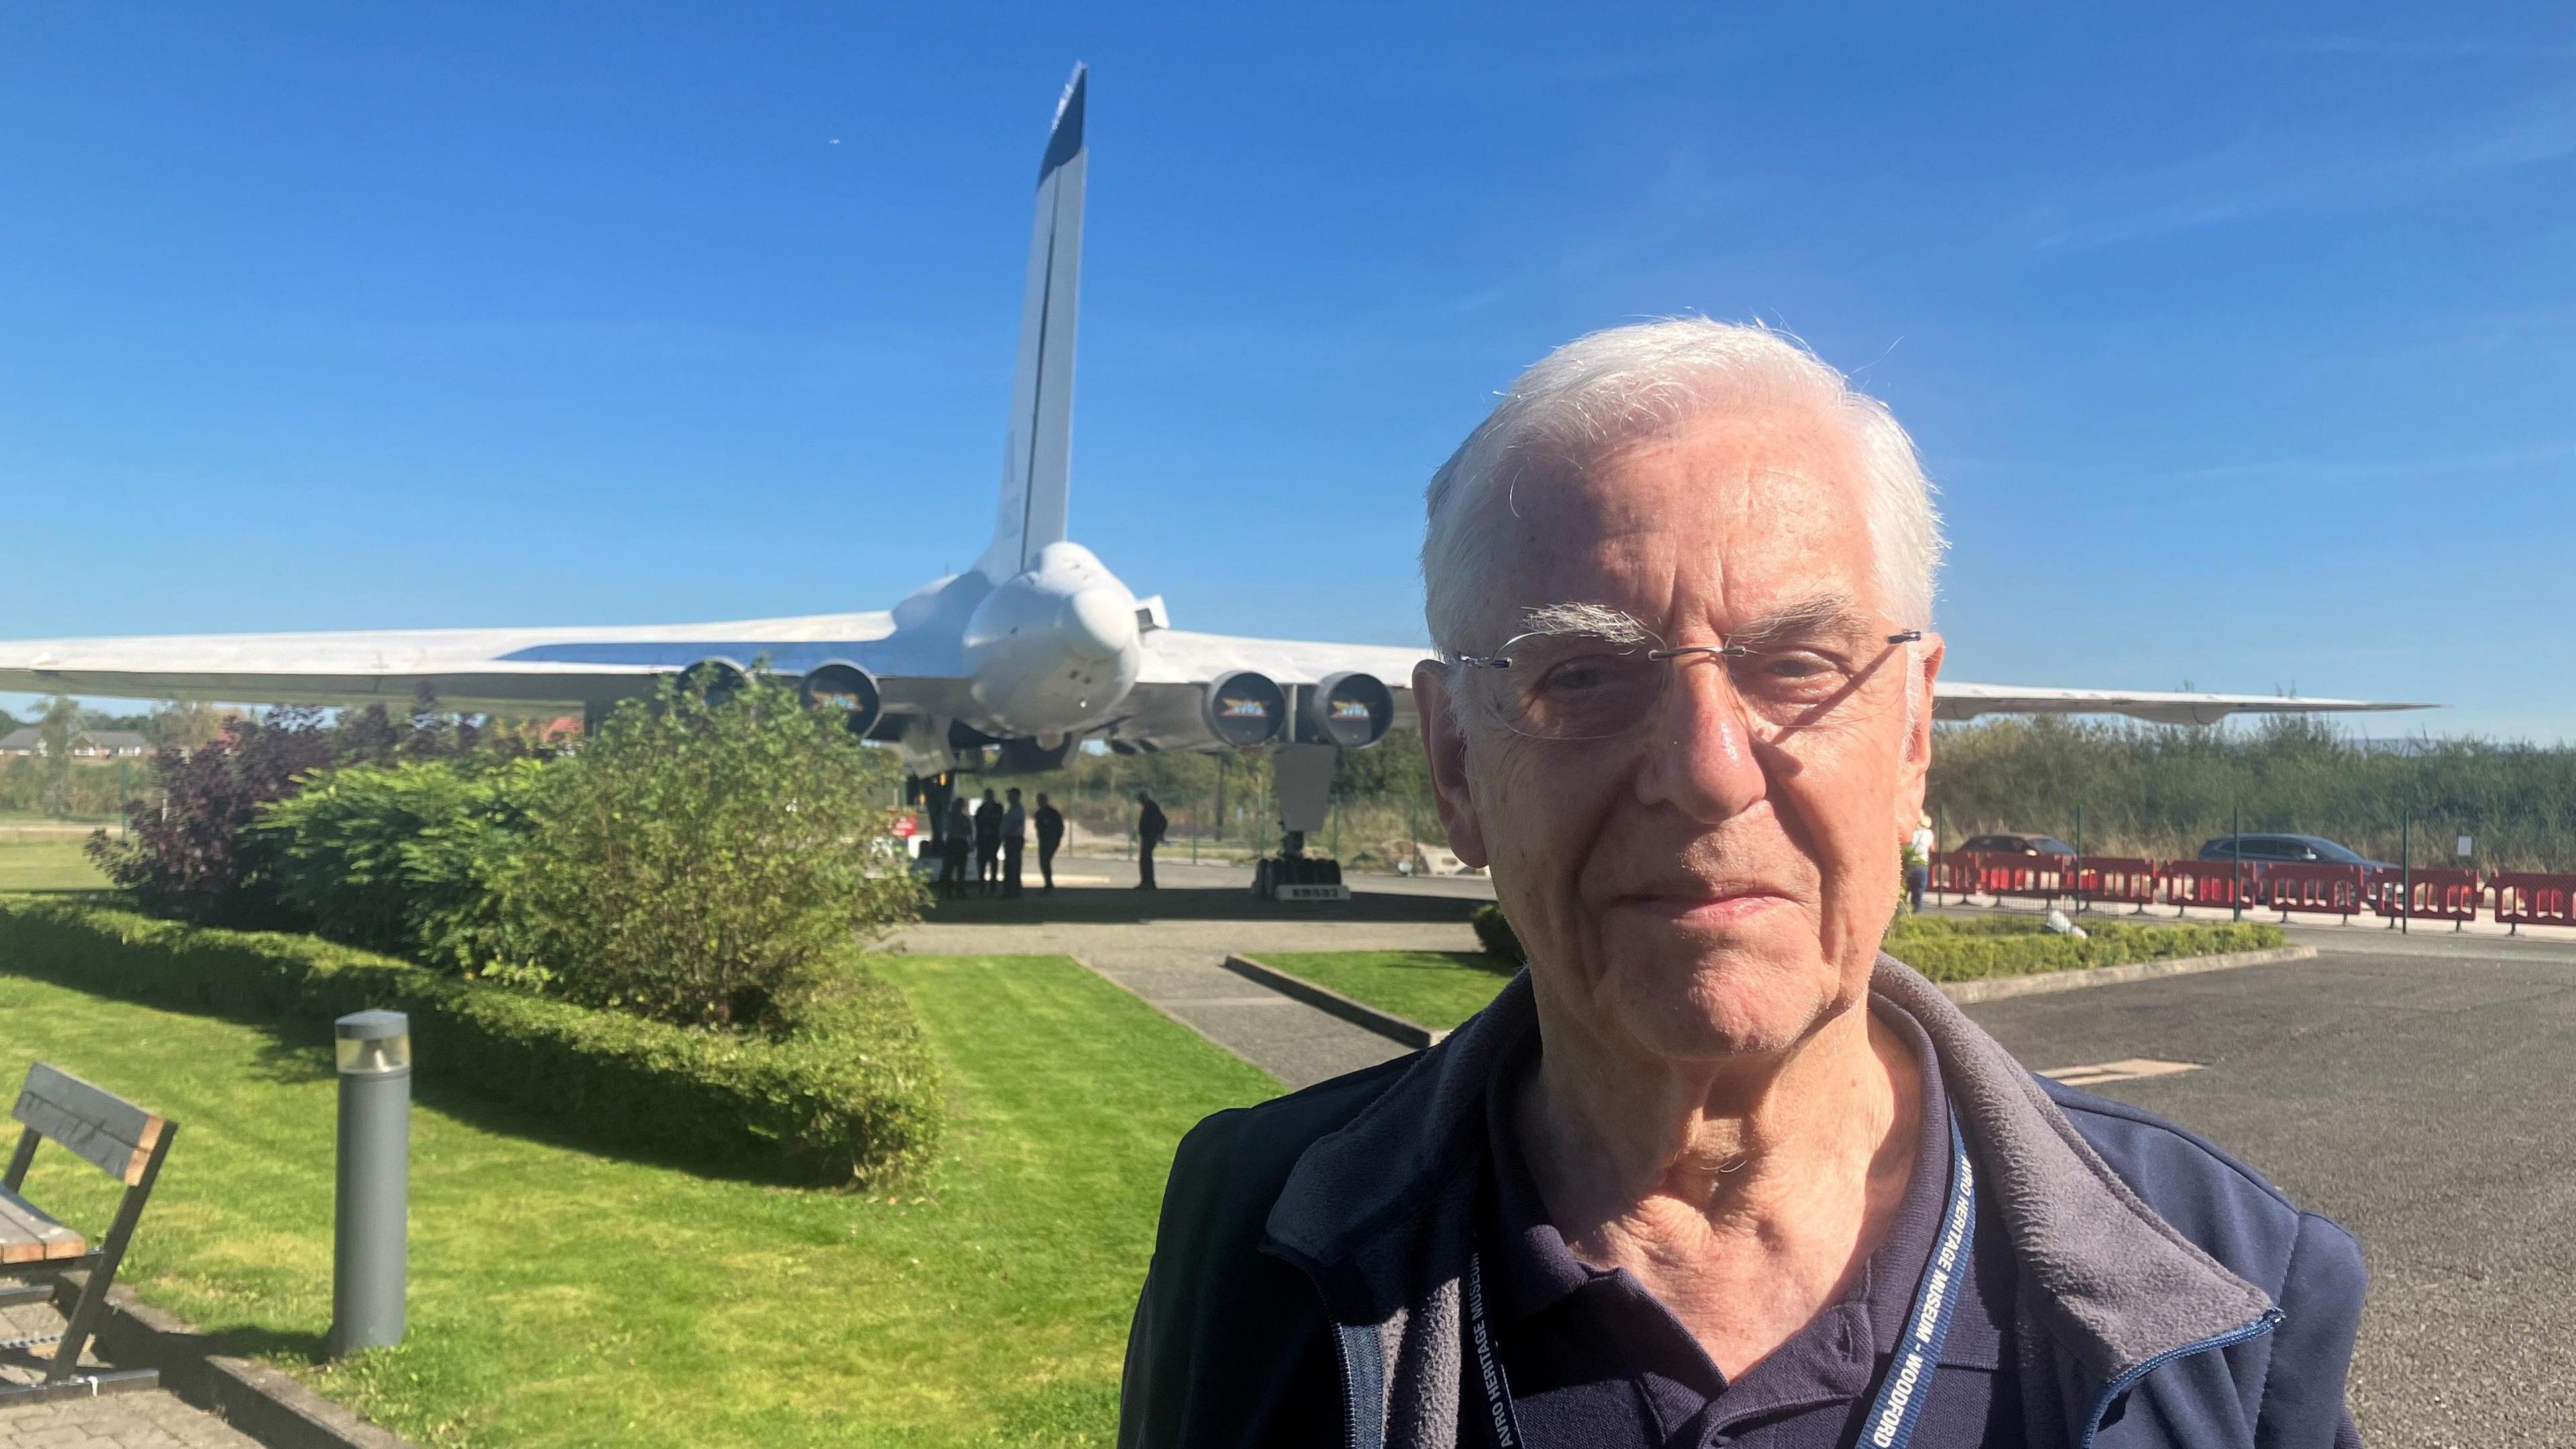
1594 1359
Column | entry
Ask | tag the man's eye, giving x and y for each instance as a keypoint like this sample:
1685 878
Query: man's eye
1577 676
1794 668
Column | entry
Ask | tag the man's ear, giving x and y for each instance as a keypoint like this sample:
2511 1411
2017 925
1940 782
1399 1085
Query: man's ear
1444 740
1917 763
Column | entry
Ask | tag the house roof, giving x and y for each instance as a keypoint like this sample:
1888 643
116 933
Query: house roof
32 738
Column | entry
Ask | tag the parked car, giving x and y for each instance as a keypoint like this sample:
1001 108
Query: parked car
2291 849
2014 842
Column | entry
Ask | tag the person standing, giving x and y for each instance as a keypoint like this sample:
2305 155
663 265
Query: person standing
954 846
1050 823
988 844
1015 842
1150 826
1918 859
1713 1168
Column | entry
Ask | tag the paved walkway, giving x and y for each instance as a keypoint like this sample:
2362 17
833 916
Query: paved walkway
1167 946
156 1420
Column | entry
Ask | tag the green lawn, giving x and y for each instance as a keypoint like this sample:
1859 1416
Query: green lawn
1437 989
565 1298
47 863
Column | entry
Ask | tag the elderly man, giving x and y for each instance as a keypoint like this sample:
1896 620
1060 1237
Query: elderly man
1712 1170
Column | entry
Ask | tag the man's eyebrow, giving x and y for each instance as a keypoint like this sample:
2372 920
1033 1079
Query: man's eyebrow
1598 621
1824 614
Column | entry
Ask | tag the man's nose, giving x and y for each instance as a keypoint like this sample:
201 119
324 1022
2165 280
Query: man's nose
1700 756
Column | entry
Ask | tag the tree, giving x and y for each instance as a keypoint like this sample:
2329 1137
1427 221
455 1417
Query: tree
57 730
193 856
703 859
183 724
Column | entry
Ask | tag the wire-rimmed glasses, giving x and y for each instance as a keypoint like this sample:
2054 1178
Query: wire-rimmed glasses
1593 686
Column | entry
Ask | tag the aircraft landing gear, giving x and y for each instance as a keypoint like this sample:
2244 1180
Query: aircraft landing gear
1287 877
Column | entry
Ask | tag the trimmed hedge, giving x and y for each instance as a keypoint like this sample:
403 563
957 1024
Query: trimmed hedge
1970 950
852 1098
1948 949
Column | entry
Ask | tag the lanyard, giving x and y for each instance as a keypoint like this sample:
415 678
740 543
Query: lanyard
1899 1401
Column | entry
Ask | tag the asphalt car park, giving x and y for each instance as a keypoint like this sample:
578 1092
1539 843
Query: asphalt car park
2417 1092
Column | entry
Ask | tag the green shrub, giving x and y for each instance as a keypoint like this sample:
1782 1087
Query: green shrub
402 859
1970 950
853 1098
704 858
1950 948
1496 935
2001 923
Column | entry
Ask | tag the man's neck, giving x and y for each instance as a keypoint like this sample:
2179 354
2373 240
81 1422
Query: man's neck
1745 1194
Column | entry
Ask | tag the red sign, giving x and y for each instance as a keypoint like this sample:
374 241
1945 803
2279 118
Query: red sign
905 826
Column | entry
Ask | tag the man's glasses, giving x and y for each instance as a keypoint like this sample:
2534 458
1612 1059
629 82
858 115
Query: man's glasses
1577 686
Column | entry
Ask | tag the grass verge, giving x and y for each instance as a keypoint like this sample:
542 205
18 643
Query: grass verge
1437 989
562 1297
47 863
1440 989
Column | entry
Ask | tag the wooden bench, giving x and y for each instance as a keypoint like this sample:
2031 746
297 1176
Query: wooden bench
122 1140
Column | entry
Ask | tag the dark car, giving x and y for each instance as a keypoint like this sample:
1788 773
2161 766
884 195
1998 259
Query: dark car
2288 849
2013 842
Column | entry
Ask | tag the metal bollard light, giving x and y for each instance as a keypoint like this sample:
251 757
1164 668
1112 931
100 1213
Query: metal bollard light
369 1245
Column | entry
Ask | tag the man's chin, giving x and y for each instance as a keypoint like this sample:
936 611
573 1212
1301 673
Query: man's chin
1695 994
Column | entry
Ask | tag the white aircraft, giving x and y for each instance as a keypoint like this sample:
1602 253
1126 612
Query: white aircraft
1001 669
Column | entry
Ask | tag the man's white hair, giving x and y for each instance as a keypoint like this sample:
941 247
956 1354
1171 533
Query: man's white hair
1613 388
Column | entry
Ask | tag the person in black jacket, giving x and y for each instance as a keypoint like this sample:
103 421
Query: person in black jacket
956 843
1050 823
1150 826
1712 1168
988 845
1015 842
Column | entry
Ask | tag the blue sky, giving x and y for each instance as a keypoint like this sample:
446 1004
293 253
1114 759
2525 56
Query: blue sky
2243 348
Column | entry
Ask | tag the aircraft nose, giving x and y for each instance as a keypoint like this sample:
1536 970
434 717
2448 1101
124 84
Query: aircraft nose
1100 621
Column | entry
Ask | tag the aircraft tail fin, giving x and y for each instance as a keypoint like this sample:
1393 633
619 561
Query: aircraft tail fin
1036 460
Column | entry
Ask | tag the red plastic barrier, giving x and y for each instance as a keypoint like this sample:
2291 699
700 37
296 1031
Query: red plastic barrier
2036 877
2118 878
2530 898
1954 874
2334 890
2440 893
2209 882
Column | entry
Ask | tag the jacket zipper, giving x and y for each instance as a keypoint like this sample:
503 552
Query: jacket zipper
2102 1397
1361 1410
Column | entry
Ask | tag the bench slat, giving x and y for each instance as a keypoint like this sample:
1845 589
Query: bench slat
106 1130
29 1235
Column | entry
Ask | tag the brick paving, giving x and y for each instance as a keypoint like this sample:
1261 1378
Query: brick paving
155 1420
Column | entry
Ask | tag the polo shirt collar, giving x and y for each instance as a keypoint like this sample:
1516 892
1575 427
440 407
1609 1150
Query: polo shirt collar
1837 1354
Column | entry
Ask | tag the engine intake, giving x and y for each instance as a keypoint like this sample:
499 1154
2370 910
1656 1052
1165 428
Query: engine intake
1350 710
846 690
1244 709
719 680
